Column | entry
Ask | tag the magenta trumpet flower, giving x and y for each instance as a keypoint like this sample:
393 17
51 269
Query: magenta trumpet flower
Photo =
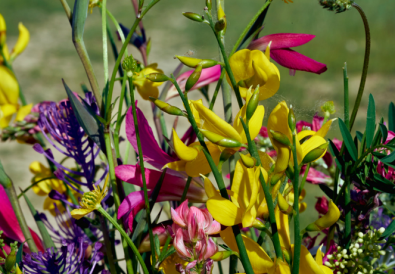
281 52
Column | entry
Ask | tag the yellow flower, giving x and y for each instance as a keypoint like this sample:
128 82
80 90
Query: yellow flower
192 158
208 120
253 68
90 201
9 88
145 87
246 198
168 266
329 219
44 187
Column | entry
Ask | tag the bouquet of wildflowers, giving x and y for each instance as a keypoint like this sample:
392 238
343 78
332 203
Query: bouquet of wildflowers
230 189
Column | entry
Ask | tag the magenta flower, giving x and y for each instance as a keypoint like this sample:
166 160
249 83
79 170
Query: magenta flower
208 76
281 52
10 227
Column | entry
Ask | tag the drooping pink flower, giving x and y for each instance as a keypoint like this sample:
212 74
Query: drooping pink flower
208 76
281 52
321 205
10 227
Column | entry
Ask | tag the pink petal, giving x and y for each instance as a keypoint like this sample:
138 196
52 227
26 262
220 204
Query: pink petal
294 60
179 244
390 136
193 227
317 122
322 205
317 177
281 40
177 219
301 124
263 132
208 219
190 265
208 76
153 154
215 228
183 210
211 249
9 223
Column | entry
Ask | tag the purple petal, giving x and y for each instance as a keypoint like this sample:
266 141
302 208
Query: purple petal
294 60
281 40
153 154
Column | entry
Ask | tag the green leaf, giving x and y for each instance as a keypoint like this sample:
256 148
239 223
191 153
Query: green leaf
157 244
384 132
389 158
348 141
359 136
19 253
326 189
86 120
164 250
335 153
391 117
382 184
158 186
389 230
370 121
48 242
377 136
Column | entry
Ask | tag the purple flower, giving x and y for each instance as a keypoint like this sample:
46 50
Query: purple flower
380 219
62 125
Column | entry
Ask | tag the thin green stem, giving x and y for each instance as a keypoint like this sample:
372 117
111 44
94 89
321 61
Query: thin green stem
212 102
247 28
107 245
125 236
346 103
119 120
306 172
67 10
298 238
365 64
33 184
146 198
184 194
104 31
217 175
347 209
110 159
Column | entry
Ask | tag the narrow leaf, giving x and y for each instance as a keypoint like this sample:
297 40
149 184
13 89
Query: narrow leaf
384 132
389 230
157 244
325 188
391 117
158 186
359 136
335 153
348 141
370 121
19 254
389 158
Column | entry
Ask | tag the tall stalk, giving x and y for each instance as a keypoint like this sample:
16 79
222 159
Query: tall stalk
298 237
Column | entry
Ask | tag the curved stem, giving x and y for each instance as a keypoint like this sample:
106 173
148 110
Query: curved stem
365 65
32 185
125 236
298 238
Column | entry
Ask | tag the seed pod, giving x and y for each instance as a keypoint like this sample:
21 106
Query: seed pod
315 154
165 107
252 104
193 78
280 137
209 4
194 62
193 16
220 140
157 77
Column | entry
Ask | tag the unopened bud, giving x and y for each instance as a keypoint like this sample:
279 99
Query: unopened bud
157 77
165 107
193 16
258 225
209 4
11 259
283 204
315 154
193 78
280 137
252 103
222 255
291 119
220 140
194 62
129 65
275 178
247 160
220 24
328 108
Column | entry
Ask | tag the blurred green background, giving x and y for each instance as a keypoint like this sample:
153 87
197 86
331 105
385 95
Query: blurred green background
51 56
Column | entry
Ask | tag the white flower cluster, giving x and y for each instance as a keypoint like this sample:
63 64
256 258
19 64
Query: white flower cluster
359 258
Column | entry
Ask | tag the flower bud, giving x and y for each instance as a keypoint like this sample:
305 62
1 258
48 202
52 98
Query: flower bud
247 160
252 104
291 119
209 4
328 108
280 137
283 204
327 220
3 30
157 77
193 78
336 5
165 107
258 225
220 140
11 259
275 178
222 255
220 25
129 65
194 62
315 154
193 16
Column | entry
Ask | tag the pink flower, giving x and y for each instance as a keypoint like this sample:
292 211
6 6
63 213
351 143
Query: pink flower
322 205
281 53
208 76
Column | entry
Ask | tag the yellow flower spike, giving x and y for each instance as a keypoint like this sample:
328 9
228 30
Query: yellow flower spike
22 42
260 261
183 152
90 201
146 87
327 220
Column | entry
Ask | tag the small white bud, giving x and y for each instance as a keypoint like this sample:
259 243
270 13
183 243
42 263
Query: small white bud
381 230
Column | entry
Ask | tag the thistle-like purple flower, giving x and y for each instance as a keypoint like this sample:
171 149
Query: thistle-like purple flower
62 125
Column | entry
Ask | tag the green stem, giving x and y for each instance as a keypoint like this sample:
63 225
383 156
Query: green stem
125 236
67 10
212 102
119 121
107 245
111 164
298 238
247 28
365 65
33 184
105 47
346 103
347 209
184 194
269 199
146 198
306 172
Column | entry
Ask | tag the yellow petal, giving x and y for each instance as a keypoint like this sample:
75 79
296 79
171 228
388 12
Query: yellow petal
330 217
241 65
183 152
325 128
200 165
212 122
49 204
211 191
307 263
266 160
326 269
254 125
3 30
318 256
6 113
224 211
280 267
260 261
282 222
305 133
177 165
23 112
8 87
22 42
80 212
